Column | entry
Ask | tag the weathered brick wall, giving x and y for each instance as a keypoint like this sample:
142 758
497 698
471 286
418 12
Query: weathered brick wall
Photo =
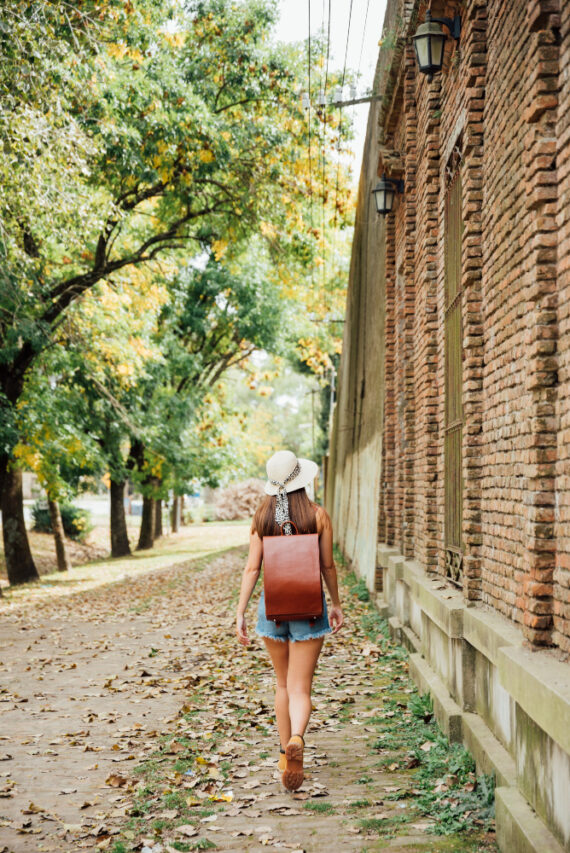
500 114
519 315
561 633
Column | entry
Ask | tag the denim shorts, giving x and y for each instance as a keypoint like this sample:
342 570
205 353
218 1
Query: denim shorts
298 629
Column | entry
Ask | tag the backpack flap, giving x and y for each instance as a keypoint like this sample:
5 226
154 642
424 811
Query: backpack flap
292 577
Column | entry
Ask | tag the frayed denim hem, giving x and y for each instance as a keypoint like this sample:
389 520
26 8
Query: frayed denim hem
313 636
272 637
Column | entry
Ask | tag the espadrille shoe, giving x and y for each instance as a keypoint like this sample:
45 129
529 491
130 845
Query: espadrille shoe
293 774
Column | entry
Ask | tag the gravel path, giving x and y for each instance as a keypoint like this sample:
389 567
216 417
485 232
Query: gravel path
129 711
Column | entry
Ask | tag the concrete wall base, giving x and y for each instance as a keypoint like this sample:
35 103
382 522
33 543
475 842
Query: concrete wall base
510 706
519 830
446 711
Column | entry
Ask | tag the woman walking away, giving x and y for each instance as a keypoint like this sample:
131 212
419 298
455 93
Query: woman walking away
294 646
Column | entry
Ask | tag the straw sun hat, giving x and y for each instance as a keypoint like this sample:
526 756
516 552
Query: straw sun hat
282 464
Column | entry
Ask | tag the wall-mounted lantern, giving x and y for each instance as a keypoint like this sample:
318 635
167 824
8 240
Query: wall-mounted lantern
384 193
429 42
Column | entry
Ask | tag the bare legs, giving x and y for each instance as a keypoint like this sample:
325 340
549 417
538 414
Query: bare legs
279 653
294 665
303 657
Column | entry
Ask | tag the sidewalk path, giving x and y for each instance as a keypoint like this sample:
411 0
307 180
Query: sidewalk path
132 720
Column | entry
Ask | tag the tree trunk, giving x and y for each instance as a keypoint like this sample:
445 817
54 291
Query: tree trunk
146 536
175 514
157 518
120 546
20 564
63 564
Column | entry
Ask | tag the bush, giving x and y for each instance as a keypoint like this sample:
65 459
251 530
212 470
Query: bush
240 500
76 522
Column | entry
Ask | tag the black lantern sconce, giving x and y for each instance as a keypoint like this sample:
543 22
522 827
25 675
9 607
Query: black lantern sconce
384 193
429 42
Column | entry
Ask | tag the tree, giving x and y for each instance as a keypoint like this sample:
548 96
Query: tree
143 137
214 320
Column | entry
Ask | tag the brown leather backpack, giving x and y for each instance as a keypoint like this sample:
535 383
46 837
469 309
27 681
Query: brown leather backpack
292 576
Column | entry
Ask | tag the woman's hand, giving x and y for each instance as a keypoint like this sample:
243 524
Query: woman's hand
241 629
336 618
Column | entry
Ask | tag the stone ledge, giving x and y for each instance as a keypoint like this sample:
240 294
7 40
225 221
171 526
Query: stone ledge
395 627
383 552
446 711
541 686
410 640
490 755
396 566
382 607
488 632
519 830
447 613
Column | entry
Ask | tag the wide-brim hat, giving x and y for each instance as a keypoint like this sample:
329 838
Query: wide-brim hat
282 464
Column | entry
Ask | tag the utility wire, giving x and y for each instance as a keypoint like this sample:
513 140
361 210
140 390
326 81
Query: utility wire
309 113
363 37
347 38
324 144
337 181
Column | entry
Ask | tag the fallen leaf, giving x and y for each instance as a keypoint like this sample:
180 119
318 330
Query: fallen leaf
187 829
116 781
33 809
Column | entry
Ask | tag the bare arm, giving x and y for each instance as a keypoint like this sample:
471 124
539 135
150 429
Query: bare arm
328 568
248 582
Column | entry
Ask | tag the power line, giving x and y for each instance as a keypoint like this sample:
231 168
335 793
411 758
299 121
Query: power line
363 37
337 181
309 114
347 38
324 144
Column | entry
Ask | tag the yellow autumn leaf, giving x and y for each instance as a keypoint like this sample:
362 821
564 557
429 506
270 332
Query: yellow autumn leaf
175 39
219 248
117 50
267 229
206 156
222 798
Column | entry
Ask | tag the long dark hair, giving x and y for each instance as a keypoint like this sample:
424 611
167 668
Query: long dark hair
301 512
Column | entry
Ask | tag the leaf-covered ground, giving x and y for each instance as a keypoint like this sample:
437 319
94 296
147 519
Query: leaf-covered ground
132 720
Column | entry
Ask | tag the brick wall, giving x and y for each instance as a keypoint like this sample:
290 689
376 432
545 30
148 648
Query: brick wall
561 633
499 113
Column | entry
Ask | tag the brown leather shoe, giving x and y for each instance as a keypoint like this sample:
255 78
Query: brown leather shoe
282 761
293 774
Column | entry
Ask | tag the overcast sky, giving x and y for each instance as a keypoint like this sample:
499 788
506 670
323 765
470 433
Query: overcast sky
362 43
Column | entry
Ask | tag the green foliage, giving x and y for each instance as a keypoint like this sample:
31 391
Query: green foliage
357 587
374 626
445 784
156 232
421 706
76 522
319 808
